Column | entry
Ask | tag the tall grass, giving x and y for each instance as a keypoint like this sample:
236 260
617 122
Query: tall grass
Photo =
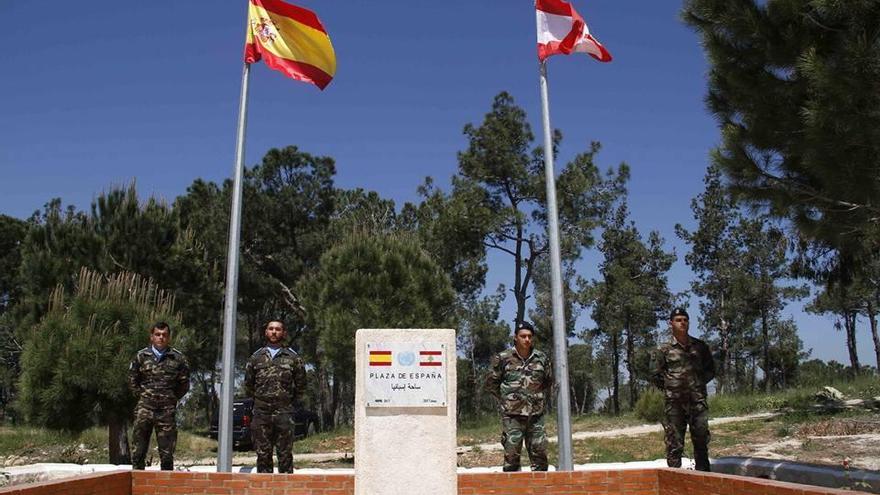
34 444
862 387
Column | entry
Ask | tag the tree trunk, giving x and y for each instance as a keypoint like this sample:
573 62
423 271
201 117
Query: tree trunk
849 323
478 388
117 440
588 392
250 335
615 374
723 384
765 334
737 380
754 372
325 413
519 291
334 399
872 319
207 387
630 365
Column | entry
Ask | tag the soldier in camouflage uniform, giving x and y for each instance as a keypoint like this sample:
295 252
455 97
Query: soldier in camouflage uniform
276 379
682 368
158 377
519 378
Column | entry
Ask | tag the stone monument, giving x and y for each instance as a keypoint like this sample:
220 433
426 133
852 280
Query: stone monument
405 404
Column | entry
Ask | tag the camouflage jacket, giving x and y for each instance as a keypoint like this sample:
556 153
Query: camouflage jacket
276 384
519 385
683 372
158 383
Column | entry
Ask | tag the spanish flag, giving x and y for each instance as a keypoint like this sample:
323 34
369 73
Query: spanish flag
291 40
380 358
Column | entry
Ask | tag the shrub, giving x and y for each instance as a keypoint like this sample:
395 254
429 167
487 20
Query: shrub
650 406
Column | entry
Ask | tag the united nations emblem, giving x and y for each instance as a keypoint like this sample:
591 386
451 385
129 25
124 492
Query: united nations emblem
406 358
264 28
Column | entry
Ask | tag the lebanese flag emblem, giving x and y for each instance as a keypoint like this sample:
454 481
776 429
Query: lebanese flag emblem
430 358
561 30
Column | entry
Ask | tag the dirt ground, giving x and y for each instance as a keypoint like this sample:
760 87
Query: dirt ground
852 438
852 441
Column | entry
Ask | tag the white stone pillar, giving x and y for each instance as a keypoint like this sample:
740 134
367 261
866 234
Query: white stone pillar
405 404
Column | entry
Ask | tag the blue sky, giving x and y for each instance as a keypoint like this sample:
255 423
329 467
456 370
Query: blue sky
104 92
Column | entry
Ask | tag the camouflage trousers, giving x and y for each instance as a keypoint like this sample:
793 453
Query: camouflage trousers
270 431
528 428
163 421
679 416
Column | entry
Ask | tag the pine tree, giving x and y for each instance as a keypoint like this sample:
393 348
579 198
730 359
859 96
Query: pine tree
713 259
75 360
370 281
628 302
502 162
794 84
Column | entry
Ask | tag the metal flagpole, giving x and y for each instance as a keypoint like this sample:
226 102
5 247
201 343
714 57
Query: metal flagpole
224 449
560 336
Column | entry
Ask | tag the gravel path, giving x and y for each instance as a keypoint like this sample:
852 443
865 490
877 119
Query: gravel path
632 431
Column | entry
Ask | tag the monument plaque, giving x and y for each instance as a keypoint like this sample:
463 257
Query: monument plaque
408 374
404 423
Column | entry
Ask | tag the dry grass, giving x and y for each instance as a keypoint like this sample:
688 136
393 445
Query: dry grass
838 427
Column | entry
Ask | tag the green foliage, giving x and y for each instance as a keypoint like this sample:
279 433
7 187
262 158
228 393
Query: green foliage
800 399
793 84
479 336
372 281
739 262
12 233
629 301
501 173
735 404
585 377
452 227
817 373
75 360
650 406
291 214
37 444
290 200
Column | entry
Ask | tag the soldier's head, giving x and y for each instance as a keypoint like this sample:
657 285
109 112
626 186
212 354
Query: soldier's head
160 335
679 321
523 336
275 333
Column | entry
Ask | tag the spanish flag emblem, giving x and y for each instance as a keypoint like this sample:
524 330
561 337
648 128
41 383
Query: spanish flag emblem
291 40
380 358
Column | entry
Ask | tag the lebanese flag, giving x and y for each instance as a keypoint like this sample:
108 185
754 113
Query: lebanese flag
562 30
430 358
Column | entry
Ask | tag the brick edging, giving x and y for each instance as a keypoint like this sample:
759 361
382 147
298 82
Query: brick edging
104 483
648 481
